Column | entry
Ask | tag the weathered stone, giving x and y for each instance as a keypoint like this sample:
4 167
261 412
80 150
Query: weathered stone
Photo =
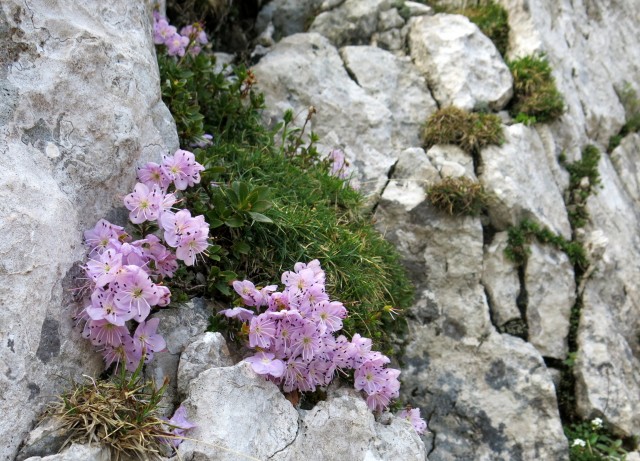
391 40
77 452
501 282
304 70
81 107
551 293
45 439
417 9
178 326
463 67
396 83
208 350
451 161
287 17
591 49
624 160
519 177
493 400
248 415
389 19
607 369
353 22
343 427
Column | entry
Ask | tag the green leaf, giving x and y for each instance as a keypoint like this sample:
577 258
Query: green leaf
261 205
235 221
241 247
259 217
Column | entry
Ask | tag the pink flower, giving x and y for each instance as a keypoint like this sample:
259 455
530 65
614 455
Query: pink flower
182 169
147 338
264 363
152 174
104 307
413 416
137 293
176 44
262 330
144 203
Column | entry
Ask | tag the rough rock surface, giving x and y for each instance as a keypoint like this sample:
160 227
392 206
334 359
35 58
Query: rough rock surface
550 283
209 350
323 434
68 148
77 453
463 67
624 161
248 415
520 179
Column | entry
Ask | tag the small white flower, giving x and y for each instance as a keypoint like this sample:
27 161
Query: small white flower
579 443
596 423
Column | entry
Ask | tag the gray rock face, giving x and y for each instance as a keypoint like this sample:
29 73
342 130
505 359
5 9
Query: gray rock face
623 159
77 452
323 434
249 416
551 288
80 108
591 48
463 67
607 369
287 17
208 350
520 179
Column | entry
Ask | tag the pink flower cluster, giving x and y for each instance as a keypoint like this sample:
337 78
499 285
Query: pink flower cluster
190 38
413 416
295 337
124 274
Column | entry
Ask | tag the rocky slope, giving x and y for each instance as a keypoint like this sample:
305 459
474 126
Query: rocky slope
81 106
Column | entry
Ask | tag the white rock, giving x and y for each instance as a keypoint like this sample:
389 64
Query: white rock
451 161
353 22
501 282
396 83
551 293
624 161
209 350
77 452
389 19
237 412
520 179
81 107
343 427
418 9
463 67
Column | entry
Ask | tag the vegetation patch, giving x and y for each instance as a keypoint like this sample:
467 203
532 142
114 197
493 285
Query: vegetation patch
470 130
584 180
592 441
536 98
273 203
458 196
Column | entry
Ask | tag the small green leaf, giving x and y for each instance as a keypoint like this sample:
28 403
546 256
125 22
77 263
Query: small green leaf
259 217
235 221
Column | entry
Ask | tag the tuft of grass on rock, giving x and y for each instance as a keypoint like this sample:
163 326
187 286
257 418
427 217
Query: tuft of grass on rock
470 130
120 414
458 196
631 103
536 98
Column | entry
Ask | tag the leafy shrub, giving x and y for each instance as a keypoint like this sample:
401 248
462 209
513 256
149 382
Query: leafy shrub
536 98
492 19
272 204
469 130
458 196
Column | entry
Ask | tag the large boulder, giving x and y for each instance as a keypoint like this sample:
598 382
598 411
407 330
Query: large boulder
80 108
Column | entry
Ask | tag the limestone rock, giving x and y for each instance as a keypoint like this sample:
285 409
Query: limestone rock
451 161
77 452
608 362
520 179
417 9
501 282
343 427
493 400
178 326
287 17
306 70
551 289
249 416
623 159
463 67
80 108
396 83
209 350
353 22
45 439
591 49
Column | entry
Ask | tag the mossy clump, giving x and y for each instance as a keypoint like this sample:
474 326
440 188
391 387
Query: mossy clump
271 201
536 98
470 130
492 19
120 414
458 196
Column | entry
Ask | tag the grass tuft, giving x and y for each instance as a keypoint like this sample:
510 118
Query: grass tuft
492 19
536 98
470 130
458 196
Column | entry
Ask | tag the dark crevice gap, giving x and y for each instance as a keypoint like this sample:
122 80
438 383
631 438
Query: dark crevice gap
522 300
389 177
